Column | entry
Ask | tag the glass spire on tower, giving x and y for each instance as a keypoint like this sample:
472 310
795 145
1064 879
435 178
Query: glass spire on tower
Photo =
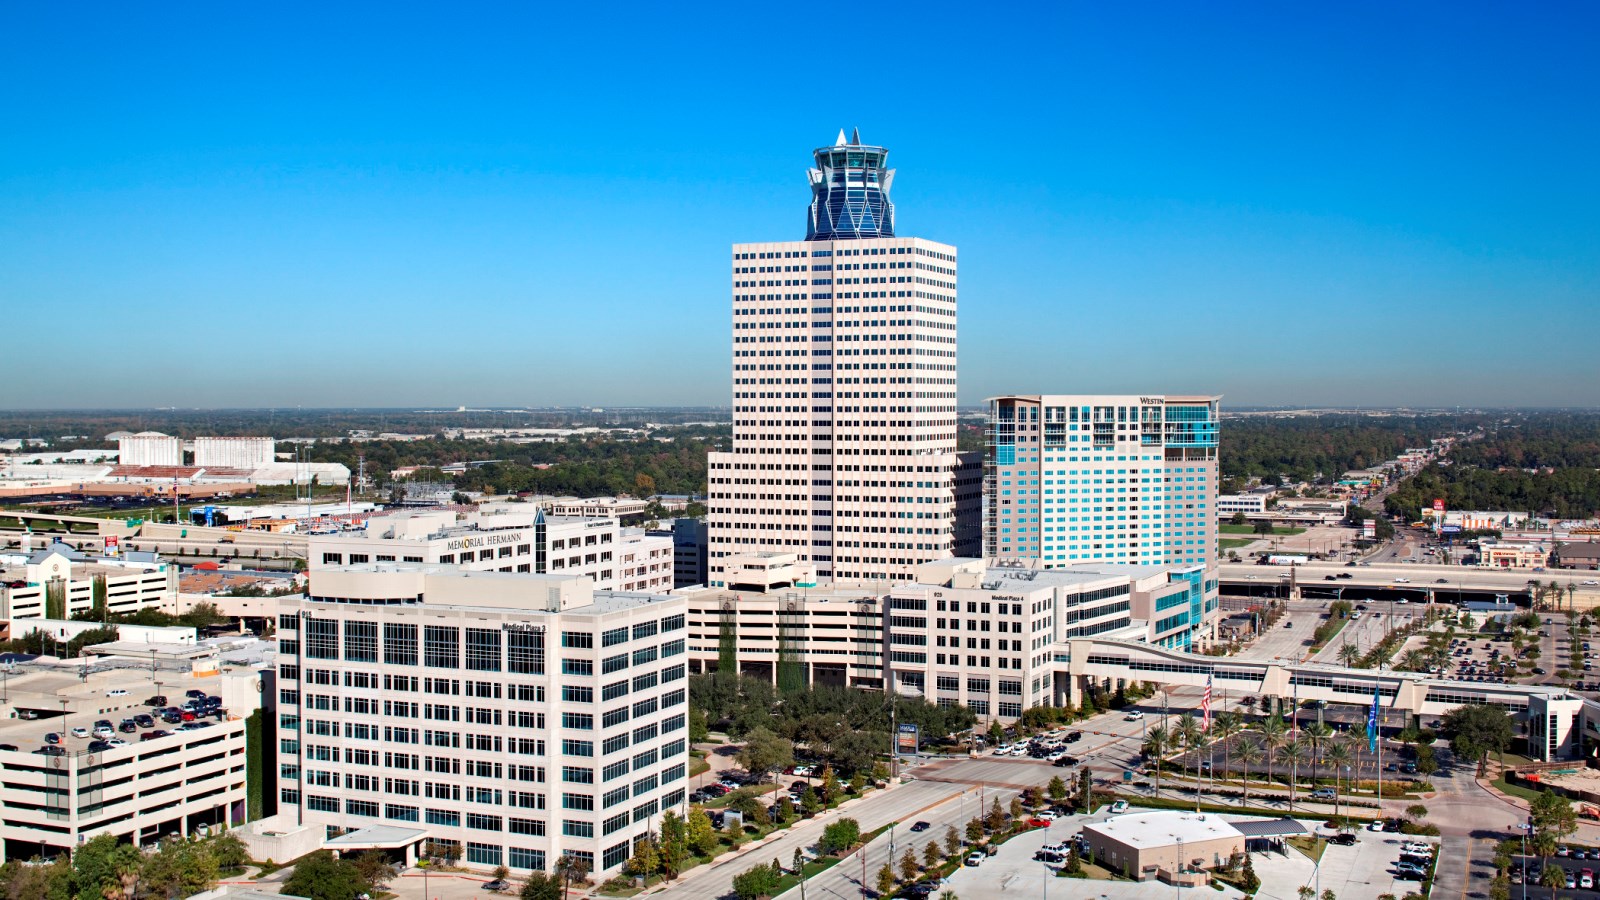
850 192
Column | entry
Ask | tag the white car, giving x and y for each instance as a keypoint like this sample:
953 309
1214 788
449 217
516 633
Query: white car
1048 815
1133 716
1402 581
1121 806
80 732
1591 583
975 859
1416 847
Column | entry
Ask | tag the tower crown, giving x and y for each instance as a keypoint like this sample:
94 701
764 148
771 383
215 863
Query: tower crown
850 192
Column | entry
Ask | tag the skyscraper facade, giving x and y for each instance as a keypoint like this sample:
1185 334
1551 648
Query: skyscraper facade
1075 479
844 390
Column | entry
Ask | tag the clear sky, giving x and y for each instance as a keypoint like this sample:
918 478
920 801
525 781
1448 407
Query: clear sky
402 204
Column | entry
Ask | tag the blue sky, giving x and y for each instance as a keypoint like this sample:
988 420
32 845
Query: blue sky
400 204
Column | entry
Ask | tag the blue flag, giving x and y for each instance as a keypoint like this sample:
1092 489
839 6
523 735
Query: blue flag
1372 723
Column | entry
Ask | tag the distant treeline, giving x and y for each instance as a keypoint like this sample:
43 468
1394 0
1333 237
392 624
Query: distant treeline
1506 470
320 423
1305 447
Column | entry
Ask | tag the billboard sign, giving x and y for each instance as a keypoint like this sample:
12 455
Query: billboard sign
907 739
113 545
1450 529
1369 530
1438 504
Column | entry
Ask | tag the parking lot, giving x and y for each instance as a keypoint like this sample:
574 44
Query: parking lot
1365 868
1582 874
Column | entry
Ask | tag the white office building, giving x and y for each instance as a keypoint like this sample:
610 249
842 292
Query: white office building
992 635
506 539
518 716
844 390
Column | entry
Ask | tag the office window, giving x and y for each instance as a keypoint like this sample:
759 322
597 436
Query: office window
525 651
361 642
441 647
399 644
483 650
322 638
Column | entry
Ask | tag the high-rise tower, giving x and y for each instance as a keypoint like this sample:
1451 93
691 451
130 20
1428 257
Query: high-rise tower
844 390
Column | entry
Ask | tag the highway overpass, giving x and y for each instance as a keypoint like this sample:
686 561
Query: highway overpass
1420 582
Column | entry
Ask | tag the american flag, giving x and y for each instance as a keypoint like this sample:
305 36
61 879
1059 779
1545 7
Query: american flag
1205 707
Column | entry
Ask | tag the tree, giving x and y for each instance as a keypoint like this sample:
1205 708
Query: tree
1554 878
757 881
569 868
839 837
375 868
810 803
700 838
830 785
930 854
1349 653
105 867
974 830
322 876
1250 752
541 886
996 819
1016 809
885 880
1553 815
1416 812
1057 789
1475 731
1306 892
182 867
909 866
952 841
1085 788
1238 519
764 751
1157 744
1189 735
646 857
1294 752
675 843
997 734
1252 881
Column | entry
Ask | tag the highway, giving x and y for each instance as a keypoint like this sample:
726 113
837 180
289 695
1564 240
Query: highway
1418 576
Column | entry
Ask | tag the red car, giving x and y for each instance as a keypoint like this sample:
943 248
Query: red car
188 716
1038 823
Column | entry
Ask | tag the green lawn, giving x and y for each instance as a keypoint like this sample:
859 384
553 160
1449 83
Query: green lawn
1251 529
1233 543
1516 790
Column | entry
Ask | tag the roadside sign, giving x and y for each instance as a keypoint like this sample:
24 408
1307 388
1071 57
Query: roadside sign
907 739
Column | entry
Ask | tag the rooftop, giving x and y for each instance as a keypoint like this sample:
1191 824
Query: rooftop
1148 830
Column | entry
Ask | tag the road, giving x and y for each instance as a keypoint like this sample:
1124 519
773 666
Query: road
1419 576
939 803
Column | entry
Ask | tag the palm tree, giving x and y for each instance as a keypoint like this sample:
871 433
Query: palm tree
1294 751
1250 753
1224 726
1413 660
1189 736
1349 653
1273 733
1318 734
1157 744
1338 755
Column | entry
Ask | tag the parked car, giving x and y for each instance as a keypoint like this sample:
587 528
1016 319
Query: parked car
158 700
974 859
1343 839
52 738
80 732
1121 806
497 885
